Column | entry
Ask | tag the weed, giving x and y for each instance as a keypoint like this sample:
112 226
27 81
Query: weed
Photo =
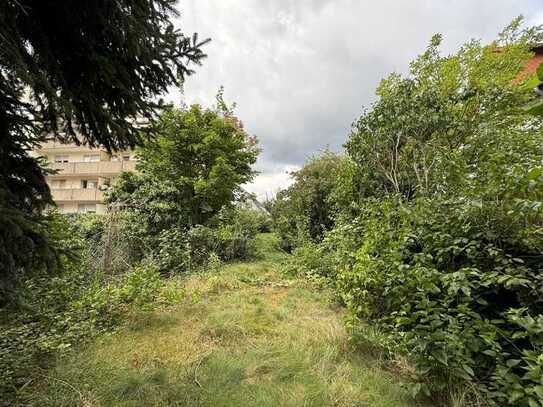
251 338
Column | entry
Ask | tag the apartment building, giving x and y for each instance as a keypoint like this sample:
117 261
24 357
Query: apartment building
83 175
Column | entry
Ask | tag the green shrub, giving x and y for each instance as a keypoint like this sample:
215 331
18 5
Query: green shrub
457 292
202 242
90 226
311 259
171 255
141 286
263 221
232 233
304 211
229 236
53 314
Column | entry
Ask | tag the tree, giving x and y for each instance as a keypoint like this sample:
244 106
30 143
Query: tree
427 132
83 72
306 206
447 170
193 169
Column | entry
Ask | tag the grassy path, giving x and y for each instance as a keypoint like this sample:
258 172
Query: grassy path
244 336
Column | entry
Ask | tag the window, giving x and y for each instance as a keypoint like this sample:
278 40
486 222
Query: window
126 158
61 158
91 158
89 183
114 157
105 184
58 184
86 208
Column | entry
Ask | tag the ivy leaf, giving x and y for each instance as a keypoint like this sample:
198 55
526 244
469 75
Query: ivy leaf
516 395
534 173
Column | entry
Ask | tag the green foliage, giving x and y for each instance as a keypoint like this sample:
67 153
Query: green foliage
172 254
80 73
55 314
304 210
453 291
141 286
180 207
540 72
438 235
90 226
426 132
230 236
25 244
194 168
237 230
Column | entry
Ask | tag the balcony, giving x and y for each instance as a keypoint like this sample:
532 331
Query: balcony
58 146
79 194
93 168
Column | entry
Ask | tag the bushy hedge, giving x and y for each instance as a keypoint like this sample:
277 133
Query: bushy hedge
438 236
230 235
54 314
461 297
457 285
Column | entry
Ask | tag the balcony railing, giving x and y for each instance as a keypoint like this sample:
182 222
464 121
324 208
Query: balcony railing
94 167
79 194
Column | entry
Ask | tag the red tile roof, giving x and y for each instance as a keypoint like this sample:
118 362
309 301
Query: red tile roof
532 65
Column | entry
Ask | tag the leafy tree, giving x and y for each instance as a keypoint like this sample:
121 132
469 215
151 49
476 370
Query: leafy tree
426 132
83 72
193 169
446 171
306 206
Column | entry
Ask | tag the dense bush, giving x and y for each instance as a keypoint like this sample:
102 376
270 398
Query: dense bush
229 236
55 313
304 211
463 299
438 232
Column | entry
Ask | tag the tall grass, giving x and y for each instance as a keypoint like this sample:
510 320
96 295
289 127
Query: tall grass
244 336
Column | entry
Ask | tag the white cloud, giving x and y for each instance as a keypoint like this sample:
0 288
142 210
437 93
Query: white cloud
302 70
536 18
266 185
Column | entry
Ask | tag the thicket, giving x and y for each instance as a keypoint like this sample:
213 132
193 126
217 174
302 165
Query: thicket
304 212
438 223
184 211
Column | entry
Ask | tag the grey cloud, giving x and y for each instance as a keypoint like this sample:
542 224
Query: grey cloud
302 70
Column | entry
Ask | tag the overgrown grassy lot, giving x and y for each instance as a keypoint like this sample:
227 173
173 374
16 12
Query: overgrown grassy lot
246 335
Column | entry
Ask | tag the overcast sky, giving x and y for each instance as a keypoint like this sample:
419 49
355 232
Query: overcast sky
302 70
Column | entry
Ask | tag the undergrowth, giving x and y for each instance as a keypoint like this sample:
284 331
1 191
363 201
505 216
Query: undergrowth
245 335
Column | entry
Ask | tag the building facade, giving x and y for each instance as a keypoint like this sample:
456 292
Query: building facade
83 174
